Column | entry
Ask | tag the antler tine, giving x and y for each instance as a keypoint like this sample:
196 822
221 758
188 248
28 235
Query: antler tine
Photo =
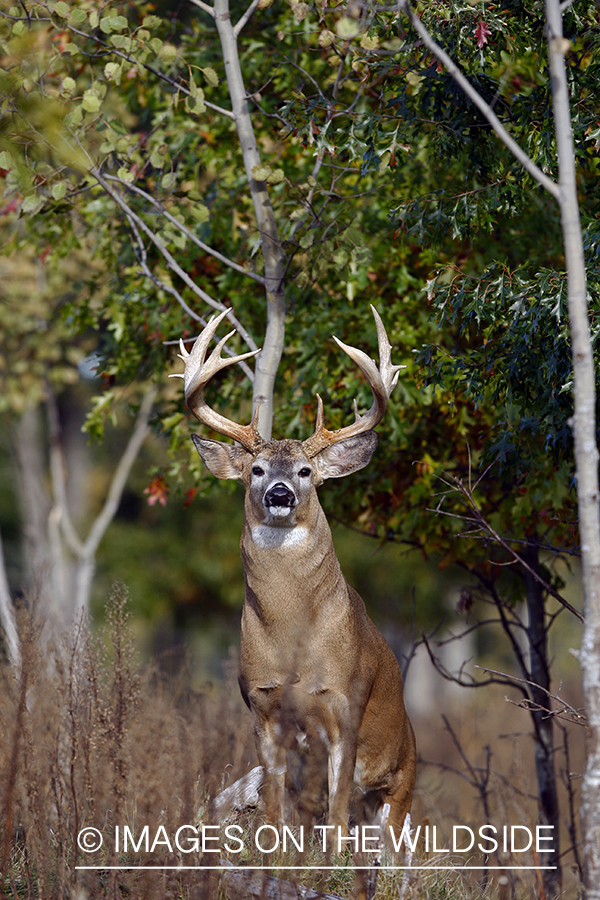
199 371
382 380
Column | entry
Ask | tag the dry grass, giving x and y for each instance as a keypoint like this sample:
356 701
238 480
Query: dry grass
90 738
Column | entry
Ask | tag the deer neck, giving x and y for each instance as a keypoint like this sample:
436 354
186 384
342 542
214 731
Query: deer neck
288 567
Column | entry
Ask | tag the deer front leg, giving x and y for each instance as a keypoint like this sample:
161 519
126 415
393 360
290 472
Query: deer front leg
272 756
340 780
341 747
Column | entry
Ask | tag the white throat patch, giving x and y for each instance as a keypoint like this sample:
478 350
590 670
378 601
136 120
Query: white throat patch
274 537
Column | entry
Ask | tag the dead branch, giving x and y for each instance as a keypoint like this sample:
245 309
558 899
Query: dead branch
475 518
565 711
244 884
463 681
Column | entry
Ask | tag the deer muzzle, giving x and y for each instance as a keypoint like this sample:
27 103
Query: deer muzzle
279 499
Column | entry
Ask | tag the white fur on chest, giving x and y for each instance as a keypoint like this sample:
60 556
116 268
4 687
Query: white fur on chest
272 538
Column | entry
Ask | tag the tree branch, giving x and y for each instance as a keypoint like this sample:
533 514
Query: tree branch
204 7
267 361
566 711
479 102
111 504
245 18
145 269
480 522
179 86
185 230
170 260
58 476
458 679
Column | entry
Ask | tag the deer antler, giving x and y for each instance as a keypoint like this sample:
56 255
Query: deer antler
382 381
199 371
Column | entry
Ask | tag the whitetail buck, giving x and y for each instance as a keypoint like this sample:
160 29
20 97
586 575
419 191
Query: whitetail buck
314 670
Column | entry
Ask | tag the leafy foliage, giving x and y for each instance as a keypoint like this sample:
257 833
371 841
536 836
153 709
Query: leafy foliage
117 145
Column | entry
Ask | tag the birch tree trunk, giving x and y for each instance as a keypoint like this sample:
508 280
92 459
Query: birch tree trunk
267 361
7 615
60 565
584 433
584 395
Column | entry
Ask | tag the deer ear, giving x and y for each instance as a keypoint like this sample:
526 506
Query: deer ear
347 456
221 460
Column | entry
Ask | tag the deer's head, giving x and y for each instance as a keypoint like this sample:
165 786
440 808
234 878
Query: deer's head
281 476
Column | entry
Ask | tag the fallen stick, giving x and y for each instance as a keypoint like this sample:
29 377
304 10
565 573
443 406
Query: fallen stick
240 795
240 884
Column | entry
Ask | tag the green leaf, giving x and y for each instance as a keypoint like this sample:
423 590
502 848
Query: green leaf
122 42
347 28
6 161
62 9
210 76
158 159
369 43
168 181
113 23
326 38
78 16
261 173
275 177
167 53
59 190
196 103
75 117
91 102
112 72
33 203
125 175
200 212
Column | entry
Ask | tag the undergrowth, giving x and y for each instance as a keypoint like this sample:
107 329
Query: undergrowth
92 739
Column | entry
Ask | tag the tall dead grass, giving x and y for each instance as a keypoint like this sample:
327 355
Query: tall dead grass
90 738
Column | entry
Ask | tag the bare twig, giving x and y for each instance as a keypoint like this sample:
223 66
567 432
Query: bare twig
566 711
459 678
573 812
170 260
481 524
204 7
185 230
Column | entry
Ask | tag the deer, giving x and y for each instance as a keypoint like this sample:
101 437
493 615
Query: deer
314 670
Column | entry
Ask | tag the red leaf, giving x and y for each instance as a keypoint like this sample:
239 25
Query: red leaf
189 496
157 491
482 33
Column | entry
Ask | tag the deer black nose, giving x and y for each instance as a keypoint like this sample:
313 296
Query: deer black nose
280 495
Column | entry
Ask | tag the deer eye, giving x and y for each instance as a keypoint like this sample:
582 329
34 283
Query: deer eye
256 470
305 472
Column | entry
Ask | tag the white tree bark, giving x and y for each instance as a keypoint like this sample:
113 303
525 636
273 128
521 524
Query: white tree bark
584 433
75 597
7 615
267 361
60 564
584 395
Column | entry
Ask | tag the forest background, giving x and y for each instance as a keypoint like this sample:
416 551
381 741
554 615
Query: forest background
132 209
